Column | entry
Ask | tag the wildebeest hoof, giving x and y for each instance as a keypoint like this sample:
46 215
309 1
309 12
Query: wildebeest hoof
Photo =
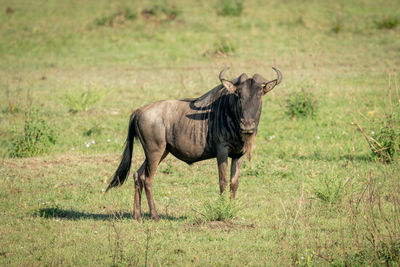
155 218
137 217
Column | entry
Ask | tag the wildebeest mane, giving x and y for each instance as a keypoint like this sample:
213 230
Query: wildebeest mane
225 123
204 102
219 107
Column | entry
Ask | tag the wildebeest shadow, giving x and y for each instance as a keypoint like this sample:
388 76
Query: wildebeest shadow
55 212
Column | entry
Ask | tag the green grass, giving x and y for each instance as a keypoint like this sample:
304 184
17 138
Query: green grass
313 194
82 100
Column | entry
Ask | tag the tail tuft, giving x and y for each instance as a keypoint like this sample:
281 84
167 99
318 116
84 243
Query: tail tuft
114 183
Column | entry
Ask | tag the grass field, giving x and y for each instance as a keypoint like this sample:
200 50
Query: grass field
313 194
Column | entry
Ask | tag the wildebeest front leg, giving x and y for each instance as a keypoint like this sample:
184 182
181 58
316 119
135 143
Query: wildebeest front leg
222 159
235 169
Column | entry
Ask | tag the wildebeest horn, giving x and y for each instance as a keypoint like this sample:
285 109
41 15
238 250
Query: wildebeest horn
279 75
226 83
221 74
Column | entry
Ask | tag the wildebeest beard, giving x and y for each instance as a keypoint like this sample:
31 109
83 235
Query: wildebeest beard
249 141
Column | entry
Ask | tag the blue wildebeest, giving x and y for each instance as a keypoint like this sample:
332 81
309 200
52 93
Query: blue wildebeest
220 124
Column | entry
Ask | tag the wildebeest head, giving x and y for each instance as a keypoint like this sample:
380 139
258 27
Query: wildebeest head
249 92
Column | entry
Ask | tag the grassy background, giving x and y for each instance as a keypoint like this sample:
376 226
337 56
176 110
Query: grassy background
53 210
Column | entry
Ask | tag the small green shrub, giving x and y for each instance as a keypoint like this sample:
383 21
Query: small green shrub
224 47
258 170
389 253
12 108
299 21
385 143
337 26
301 104
168 169
329 189
383 135
37 138
222 209
82 100
387 139
292 22
157 10
387 23
94 130
129 14
14 103
170 11
232 8
117 18
101 21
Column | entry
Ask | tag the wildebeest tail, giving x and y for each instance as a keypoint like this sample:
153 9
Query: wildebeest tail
122 171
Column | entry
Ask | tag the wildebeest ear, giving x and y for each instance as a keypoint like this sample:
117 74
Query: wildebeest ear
243 77
229 86
269 86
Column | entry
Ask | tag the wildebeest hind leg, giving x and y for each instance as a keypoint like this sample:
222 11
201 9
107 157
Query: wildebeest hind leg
152 161
138 177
